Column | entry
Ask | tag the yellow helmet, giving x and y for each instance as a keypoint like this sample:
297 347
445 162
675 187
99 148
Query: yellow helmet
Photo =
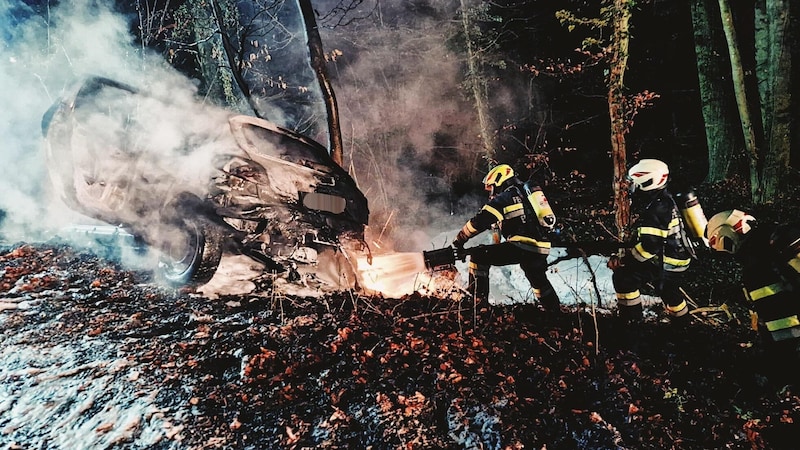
726 229
498 176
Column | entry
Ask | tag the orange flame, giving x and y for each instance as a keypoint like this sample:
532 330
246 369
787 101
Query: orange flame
395 275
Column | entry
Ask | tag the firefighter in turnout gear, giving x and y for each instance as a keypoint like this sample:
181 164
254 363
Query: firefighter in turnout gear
770 258
659 255
522 218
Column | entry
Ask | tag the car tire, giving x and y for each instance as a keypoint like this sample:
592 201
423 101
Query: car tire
192 257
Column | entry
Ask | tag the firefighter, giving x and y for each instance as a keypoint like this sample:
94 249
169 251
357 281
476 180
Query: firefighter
769 255
521 218
659 254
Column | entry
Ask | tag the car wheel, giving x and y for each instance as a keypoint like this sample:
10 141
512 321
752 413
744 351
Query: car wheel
193 254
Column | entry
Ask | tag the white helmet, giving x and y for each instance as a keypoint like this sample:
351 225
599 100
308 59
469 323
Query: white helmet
648 175
726 229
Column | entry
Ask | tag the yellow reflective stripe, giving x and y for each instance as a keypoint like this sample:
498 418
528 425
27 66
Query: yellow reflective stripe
653 231
628 295
674 309
629 302
478 270
674 226
527 240
677 262
494 212
470 227
512 214
469 230
794 263
780 324
641 254
766 291
512 208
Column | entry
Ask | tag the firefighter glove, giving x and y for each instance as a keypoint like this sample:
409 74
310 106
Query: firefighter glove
459 253
614 262
460 240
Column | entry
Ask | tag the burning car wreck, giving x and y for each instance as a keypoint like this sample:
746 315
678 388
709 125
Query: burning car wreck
194 182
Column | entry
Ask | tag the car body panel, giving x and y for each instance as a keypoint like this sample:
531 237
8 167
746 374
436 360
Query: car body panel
127 158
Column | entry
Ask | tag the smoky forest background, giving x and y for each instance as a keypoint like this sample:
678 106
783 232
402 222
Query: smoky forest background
416 100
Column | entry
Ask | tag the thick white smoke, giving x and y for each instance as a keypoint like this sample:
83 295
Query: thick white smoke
409 129
44 52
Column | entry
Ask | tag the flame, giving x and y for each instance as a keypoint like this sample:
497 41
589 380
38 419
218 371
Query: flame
397 274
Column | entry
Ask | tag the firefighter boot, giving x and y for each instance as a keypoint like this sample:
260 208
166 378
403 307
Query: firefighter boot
550 303
526 312
479 290
630 314
478 285
626 327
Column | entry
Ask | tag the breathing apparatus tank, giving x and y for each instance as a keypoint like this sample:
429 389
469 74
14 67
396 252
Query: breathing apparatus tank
544 213
693 215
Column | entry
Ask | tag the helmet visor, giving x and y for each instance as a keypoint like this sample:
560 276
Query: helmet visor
725 239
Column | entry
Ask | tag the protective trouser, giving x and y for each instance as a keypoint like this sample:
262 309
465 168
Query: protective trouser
532 263
629 279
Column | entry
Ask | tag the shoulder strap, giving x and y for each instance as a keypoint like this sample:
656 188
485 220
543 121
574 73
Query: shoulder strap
527 207
686 239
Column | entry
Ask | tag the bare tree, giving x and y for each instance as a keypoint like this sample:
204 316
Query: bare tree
764 104
618 62
622 107
261 57
317 56
774 74
475 80
718 107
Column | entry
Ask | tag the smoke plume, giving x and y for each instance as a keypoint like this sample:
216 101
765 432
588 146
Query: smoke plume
45 51
409 131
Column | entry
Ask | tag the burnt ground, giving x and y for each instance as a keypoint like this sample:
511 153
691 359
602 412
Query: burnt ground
268 371
347 371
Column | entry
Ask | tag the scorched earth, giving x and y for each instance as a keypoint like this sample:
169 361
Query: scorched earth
94 356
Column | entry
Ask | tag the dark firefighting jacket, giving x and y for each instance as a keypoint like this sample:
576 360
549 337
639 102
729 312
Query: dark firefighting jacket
659 234
770 258
516 220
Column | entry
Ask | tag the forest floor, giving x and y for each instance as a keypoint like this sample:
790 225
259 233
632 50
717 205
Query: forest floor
266 371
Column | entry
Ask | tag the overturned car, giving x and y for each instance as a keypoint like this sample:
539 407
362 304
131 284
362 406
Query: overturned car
193 182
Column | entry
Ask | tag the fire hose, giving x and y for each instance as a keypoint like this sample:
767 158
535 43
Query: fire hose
447 256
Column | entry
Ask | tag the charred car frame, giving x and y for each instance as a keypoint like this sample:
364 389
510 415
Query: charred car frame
195 187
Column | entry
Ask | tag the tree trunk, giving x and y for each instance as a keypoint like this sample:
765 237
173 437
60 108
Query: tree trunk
774 81
477 85
715 96
616 109
234 58
740 91
317 55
